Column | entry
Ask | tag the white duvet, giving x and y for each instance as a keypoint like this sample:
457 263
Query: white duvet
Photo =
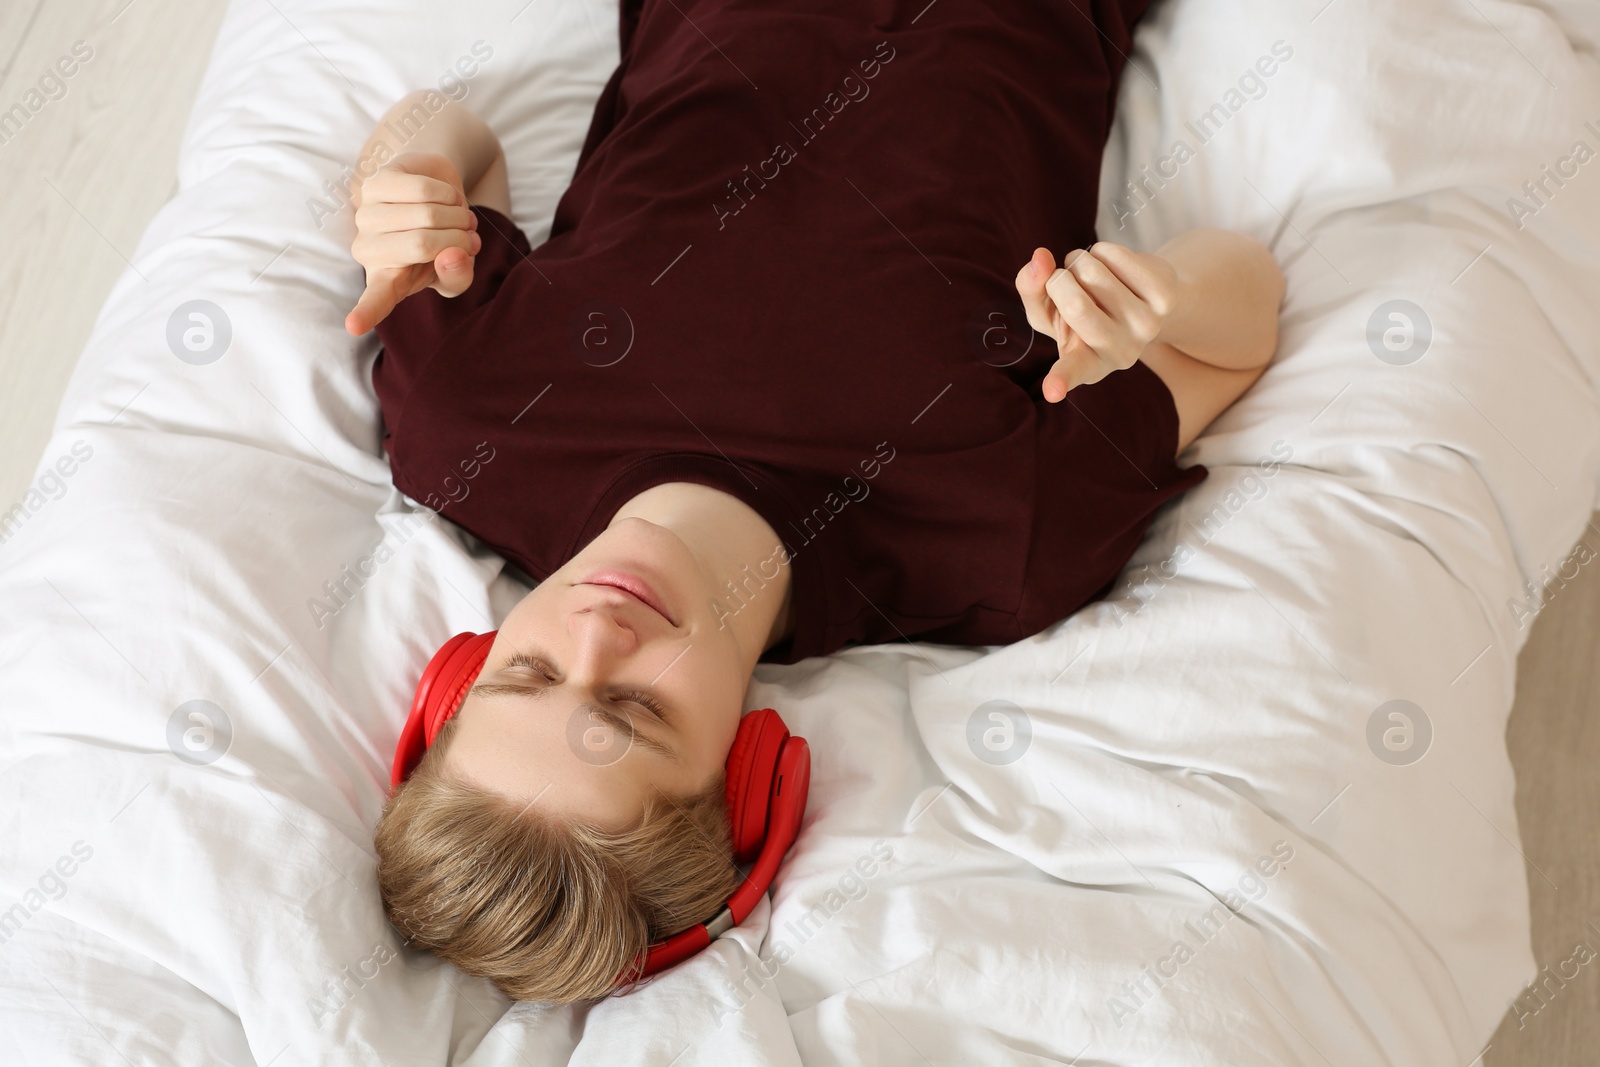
1189 825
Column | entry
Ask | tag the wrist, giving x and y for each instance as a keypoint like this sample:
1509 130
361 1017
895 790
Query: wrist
450 130
1185 299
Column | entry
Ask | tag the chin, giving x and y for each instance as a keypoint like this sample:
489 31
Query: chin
634 539
653 552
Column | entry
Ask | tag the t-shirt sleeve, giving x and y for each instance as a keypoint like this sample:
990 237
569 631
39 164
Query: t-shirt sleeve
1107 463
418 327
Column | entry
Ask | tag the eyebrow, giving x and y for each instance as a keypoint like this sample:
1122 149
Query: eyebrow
620 723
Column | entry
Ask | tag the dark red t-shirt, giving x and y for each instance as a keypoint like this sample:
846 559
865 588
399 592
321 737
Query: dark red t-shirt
784 268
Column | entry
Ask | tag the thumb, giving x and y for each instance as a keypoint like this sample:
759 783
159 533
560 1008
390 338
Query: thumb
1075 365
454 270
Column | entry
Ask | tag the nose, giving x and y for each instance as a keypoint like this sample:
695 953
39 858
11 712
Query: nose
599 631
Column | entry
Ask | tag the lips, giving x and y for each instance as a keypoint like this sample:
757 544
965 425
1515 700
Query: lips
634 586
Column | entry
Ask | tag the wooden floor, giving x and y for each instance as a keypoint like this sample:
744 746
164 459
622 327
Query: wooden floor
84 176
1554 737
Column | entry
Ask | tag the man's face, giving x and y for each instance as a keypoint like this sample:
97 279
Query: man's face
590 697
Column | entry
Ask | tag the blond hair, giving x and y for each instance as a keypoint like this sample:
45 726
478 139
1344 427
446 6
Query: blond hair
545 907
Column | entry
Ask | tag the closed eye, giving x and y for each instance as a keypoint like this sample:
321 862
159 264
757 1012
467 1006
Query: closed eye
643 698
539 666
548 677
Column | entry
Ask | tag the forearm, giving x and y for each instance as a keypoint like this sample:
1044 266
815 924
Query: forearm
452 131
1229 292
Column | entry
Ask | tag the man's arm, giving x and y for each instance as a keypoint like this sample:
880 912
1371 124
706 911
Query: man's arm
1229 287
453 132
1209 295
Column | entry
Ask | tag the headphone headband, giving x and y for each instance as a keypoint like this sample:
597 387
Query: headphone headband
768 775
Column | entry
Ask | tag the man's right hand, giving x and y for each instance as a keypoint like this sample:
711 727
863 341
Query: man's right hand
413 231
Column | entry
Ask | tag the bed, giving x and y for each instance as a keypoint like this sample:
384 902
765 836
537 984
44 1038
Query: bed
1253 807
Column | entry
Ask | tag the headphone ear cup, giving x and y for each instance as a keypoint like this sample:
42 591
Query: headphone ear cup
752 763
768 781
439 693
456 675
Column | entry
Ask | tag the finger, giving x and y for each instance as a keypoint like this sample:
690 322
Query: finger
395 216
1139 274
433 164
376 301
406 248
1132 319
454 268
1079 311
390 185
1035 301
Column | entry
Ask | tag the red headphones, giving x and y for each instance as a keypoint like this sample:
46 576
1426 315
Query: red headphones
768 773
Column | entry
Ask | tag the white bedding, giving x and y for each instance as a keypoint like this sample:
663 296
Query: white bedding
1364 537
